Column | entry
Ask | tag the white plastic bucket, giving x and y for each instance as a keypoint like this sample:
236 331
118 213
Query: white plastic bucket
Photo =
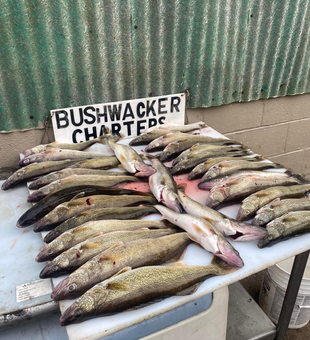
273 290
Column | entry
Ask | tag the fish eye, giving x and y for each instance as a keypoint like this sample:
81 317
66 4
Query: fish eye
270 237
247 212
55 268
50 251
78 313
72 288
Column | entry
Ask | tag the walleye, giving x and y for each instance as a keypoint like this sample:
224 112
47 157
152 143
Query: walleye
202 168
280 207
238 231
177 128
48 203
193 160
79 180
34 170
257 200
202 232
103 162
130 159
58 155
164 187
134 254
226 168
162 142
68 146
252 174
79 234
76 206
238 188
131 288
175 148
282 228
74 257
96 215
147 137
54 176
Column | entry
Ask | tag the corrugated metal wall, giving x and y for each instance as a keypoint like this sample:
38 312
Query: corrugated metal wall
71 52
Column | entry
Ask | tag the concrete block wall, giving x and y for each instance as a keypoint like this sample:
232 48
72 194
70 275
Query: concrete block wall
277 128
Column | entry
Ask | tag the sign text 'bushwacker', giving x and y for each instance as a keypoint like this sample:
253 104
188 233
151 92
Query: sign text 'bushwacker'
130 118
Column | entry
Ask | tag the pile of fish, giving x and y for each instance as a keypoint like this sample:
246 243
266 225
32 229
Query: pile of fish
113 257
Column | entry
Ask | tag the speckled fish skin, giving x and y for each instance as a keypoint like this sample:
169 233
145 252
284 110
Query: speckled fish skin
134 254
239 188
202 168
74 257
131 160
57 155
200 148
148 137
48 203
79 234
98 215
202 232
54 176
163 141
226 168
68 146
282 228
78 180
228 227
188 164
67 210
131 288
278 208
177 128
163 186
34 170
253 174
103 162
175 148
257 200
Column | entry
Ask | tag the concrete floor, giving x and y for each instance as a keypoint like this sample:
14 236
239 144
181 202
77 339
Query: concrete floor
252 284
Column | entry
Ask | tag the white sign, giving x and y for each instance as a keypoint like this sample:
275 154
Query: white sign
31 290
130 117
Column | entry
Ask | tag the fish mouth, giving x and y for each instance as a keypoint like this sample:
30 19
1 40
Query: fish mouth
230 255
45 254
247 232
52 270
71 315
36 196
6 185
51 236
63 291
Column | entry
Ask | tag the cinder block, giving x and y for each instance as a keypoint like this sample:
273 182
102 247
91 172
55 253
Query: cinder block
284 109
306 161
298 135
194 115
14 143
233 117
266 141
292 160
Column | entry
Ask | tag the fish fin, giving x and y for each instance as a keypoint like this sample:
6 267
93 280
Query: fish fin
121 166
289 219
182 187
177 264
190 290
85 213
143 229
90 245
261 194
275 201
178 257
124 270
95 235
79 195
105 256
198 230
258 158
193 238
117 286
208 219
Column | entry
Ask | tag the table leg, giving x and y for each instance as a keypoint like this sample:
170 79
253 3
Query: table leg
291 294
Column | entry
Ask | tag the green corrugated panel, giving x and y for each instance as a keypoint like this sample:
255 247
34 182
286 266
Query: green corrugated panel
71 52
